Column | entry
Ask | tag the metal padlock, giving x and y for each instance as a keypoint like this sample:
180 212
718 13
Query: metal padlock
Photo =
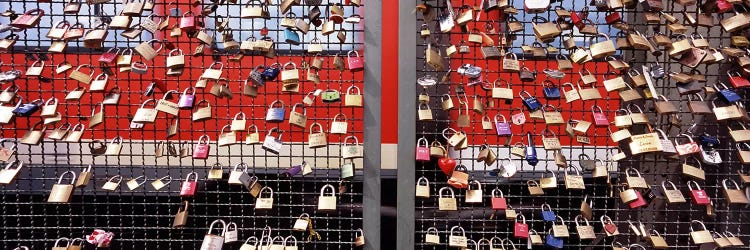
61 193
275 114
201 150
214 241
112 183
239 177
273 144
327 202
188 187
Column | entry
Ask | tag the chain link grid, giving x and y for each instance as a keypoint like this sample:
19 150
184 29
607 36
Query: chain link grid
142 218
671 221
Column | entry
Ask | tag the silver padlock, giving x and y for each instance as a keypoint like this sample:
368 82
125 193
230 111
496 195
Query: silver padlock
214 241
230 235
239 177
273 144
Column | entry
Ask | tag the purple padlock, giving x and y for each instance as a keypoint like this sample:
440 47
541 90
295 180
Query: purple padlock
294 170
187 100
503 128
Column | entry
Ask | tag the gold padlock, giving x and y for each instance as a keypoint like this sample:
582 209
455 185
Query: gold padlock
61 193
734 196
702 236
112 183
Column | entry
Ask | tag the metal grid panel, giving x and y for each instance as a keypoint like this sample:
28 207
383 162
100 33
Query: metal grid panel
671 221
142 218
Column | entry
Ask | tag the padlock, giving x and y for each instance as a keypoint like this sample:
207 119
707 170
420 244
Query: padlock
112 183
701 236
84 177
529 101
353 97
327 202
339 124
76 75
58 244
574 181
729 112
114 147
180 219
290 75
275 114
351 150
520 229
61 193
585 232
201 111
674 195
27 109
355 62
264 203
474 195
628 195
551 91
187 21
530 151
214 241
726 94
432 236
273 144
691 147
447 202
734 196
9 173
34 135
147 51
498 201
134 183
201 150
144 114
188 187
552 241
161 182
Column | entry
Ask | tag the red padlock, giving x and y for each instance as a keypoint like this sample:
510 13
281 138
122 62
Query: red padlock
577 17
723 6
637 202
28 19
188 187
498 202
110 56
686 148
200 151
600 119
521 230
700 197
613 18
355 62
187 22
423 150
737 80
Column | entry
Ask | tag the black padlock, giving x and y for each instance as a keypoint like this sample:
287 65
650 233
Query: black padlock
27 109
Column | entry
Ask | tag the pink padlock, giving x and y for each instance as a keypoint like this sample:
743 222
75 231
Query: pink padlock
639 202
110 56
700 197
201 149
187 99
355 62
600 119
189 186
187 22
423 150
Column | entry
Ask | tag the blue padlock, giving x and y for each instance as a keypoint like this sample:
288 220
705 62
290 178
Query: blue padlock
726 93
529 101
709 141
552 241
531 151
276 113
270 73
551 91
291 37
547 213
27 109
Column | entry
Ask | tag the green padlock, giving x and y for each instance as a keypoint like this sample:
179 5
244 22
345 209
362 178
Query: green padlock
347 170
331 95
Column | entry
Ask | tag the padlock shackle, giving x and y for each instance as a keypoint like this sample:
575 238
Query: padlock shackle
204 139
690 187
450 190
724 183
327 186
194 174
223 226
495 191
577 218
118 177
699 222
664 182
463 233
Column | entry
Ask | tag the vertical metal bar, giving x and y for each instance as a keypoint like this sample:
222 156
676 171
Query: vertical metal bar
372 118
407 122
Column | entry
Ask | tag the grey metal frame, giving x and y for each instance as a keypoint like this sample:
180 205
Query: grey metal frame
372 110
407 123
